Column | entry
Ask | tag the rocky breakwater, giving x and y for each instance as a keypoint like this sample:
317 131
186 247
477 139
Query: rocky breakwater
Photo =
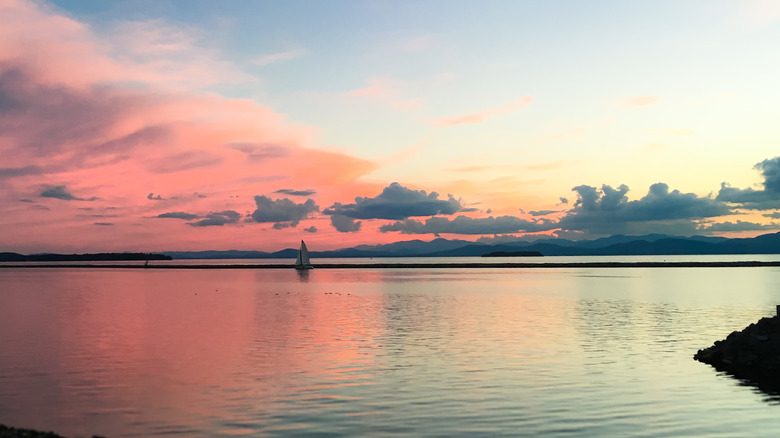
752 354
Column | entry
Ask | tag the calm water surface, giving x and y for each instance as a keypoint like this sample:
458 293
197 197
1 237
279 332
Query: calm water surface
553 352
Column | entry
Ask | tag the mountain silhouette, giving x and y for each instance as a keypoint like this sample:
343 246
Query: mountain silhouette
651 244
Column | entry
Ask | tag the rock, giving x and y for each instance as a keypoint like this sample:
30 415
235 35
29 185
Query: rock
753 353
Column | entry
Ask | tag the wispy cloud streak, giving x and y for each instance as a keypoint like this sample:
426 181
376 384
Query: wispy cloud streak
278 57
482 116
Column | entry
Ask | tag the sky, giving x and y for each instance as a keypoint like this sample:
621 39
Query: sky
160 125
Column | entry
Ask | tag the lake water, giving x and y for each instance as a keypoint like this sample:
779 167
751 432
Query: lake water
379 352
428 260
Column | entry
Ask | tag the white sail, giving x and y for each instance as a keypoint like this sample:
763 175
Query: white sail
302 261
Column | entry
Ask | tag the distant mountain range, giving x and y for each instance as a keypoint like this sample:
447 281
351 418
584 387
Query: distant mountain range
651 244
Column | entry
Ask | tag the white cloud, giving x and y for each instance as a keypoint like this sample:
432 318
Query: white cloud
271 58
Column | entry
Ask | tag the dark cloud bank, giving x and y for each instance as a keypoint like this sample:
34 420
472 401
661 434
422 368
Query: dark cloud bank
607 211
602 210
178 215
596 211
282 212
396 202
767 198
218 218
296 192
345 224
61 192
468 225
215 218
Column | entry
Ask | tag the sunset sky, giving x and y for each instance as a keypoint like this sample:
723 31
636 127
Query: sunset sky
157 125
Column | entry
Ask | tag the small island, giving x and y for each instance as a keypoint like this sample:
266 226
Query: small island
513 254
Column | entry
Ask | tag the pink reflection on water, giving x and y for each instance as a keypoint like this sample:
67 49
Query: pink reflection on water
113 352
126 347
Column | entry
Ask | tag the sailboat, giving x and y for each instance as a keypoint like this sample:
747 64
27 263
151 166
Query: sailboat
302 262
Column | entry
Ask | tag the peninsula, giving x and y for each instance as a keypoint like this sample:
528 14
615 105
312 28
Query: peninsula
513 254
101 257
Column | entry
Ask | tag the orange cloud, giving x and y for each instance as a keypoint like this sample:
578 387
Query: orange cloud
482 116
377 87
552 165
471 169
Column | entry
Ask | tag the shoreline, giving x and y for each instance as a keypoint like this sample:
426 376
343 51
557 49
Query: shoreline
515 265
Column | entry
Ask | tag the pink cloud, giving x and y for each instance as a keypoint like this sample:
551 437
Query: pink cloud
185 161
63 50
378 87
70 120
759 13
482 116
407 105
